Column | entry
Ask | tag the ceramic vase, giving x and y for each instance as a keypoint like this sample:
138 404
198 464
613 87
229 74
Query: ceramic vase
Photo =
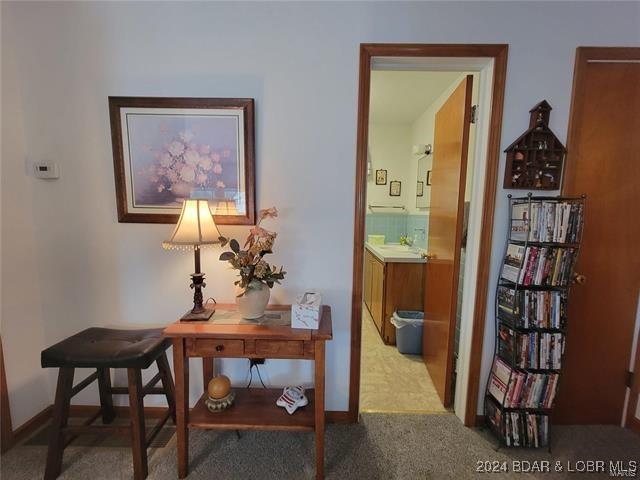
253 303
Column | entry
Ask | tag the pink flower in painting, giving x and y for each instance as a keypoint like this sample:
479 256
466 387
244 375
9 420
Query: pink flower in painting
187 173
186 136
192 158
205 163
202 178
226 153
183 163
165 159
176 148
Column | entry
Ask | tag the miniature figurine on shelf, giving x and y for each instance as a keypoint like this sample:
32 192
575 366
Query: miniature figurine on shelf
220 394
292 398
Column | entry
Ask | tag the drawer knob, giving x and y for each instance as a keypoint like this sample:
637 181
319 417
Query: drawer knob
219 348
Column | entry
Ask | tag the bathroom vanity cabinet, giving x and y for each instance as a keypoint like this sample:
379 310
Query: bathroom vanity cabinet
390 286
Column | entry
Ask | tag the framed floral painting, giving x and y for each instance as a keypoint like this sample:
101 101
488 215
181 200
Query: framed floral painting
169 149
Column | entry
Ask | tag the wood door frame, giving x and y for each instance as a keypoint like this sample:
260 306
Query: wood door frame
497 52
6 427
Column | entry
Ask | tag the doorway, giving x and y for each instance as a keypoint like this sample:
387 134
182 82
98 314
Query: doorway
489 63
421 151
604 164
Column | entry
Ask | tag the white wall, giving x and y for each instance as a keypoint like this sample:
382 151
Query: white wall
23 328
423 131
390 150
300 62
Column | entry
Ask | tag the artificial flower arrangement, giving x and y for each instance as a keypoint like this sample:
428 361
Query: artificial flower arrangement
255 272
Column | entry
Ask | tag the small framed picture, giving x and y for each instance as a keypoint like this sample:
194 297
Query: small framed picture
381 177
420 189
428 178
395 187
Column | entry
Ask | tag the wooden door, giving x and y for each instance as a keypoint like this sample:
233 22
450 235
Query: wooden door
603 162
448 174
377 292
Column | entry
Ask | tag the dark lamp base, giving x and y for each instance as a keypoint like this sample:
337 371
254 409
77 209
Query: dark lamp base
193 317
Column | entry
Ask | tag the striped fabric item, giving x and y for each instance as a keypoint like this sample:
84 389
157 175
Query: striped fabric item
292 398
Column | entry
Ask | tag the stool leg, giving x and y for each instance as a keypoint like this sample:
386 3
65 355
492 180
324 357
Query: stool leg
106 400
167 384
58 423
138 435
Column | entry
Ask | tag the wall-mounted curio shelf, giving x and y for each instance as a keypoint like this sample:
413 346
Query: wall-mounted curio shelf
535 159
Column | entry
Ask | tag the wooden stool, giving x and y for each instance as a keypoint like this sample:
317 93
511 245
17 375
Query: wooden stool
103 349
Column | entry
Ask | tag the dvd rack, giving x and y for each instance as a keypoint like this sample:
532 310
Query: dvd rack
531 317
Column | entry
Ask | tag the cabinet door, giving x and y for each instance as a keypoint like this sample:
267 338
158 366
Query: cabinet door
377 292
404 290
367 279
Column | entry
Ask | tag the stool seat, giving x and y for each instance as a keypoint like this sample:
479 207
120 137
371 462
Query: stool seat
107 348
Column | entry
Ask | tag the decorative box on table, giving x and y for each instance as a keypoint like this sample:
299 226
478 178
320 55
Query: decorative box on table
305 312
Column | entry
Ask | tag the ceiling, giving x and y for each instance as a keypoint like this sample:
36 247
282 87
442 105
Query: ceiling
401 96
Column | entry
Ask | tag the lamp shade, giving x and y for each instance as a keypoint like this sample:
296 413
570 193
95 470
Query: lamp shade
195 226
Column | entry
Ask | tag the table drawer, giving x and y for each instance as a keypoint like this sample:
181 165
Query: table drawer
211 347
279 347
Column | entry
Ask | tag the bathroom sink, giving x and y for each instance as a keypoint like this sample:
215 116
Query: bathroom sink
397 248
396 253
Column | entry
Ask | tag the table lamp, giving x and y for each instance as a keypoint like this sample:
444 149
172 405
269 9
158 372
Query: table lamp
195 229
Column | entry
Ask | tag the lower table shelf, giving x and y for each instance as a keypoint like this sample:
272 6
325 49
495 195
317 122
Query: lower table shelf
254 409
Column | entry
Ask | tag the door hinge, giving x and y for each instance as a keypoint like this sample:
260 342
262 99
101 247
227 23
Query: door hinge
474 113
629 379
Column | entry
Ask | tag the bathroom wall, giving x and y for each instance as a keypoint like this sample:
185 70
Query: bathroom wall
390 150
300 62
423 130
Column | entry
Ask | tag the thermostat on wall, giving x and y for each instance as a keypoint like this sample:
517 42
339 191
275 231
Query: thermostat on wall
46 170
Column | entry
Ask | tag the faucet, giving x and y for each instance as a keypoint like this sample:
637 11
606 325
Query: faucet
406 240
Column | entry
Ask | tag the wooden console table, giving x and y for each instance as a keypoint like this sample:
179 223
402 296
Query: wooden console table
253 409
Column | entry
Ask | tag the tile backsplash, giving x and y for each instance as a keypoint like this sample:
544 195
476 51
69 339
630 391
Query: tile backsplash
393 225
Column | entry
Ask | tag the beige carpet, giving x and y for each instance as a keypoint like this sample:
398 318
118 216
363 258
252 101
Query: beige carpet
391 381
